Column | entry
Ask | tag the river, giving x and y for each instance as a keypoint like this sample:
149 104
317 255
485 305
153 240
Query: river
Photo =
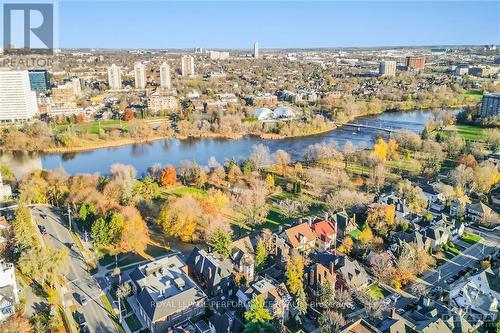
173 151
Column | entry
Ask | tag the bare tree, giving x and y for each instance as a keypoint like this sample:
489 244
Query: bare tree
289 208
251 203
260 155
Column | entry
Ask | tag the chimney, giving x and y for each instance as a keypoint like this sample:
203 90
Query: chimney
331 267
393 312
310 220
280 229
326 216
209 272
426 301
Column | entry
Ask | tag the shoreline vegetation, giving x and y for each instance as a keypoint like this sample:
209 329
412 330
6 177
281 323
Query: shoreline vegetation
93 136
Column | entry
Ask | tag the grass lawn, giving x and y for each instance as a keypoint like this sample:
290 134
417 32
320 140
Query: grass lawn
468 132
354 234
477 94
92 127
375 292
109 309
180 191
470 238
133 323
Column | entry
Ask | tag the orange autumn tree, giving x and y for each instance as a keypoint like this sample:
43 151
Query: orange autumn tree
168 176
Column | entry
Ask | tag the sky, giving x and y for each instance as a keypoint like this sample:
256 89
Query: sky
296 24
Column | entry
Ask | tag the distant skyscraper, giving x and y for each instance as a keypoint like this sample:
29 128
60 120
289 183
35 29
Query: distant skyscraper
415 63
490 106
39 79
387 68
187 65
114 77
17 100
77 86
256 50
140 76
165 76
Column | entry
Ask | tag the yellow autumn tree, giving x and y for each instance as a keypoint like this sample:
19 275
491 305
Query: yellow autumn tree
366 235
381 149
392 149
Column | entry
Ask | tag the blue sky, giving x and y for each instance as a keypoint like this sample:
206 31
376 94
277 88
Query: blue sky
186 24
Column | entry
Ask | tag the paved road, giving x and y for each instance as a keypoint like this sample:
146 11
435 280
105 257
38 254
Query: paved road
81 281
468 258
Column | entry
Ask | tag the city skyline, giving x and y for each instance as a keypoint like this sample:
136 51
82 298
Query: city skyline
282 24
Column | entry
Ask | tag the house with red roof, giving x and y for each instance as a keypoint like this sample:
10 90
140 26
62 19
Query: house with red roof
326 234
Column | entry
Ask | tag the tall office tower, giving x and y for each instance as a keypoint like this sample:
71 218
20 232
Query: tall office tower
490 107
387 68
140 76
256 50
77 86
39 79
165 76
187 65
114 77
417 63
17 100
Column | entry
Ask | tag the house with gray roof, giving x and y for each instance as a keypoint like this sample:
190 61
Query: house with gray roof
213 273
9 297
165 295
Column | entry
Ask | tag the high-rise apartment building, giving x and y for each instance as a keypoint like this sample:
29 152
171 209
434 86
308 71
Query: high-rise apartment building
77 86
140 76
256 50
114 77
417 63
165 81
387 68
187 65
218 55
39 79
490 106
17 100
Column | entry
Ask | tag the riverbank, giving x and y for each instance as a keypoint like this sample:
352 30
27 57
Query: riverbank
206 135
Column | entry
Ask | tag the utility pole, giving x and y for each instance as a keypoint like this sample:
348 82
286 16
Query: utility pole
69 218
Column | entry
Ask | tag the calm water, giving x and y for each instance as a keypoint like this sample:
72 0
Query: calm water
173 151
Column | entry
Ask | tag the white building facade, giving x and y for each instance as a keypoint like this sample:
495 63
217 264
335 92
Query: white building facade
187 65
114 77
17 101
165 81
140 76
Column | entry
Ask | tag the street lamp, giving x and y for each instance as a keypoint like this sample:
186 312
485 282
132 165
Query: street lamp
69 218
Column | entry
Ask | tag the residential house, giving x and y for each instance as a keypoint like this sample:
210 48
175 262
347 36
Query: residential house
437 235
321 271
211 272
401 209
351 274
9 296
226 322
343 223
243 257
458 206
300 238
480 292
276 297
360 326
165 295
326 234
481 213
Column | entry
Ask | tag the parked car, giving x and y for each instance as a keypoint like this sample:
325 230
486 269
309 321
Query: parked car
81 299
79 318
43 230
395 297
387 301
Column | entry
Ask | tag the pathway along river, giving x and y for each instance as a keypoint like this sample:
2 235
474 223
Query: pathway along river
173 151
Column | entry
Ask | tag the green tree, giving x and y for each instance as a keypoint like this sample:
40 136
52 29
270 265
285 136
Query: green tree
257 313
259 328
295 273
260 253
43 264
100 231
221 242
23 228
301 305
